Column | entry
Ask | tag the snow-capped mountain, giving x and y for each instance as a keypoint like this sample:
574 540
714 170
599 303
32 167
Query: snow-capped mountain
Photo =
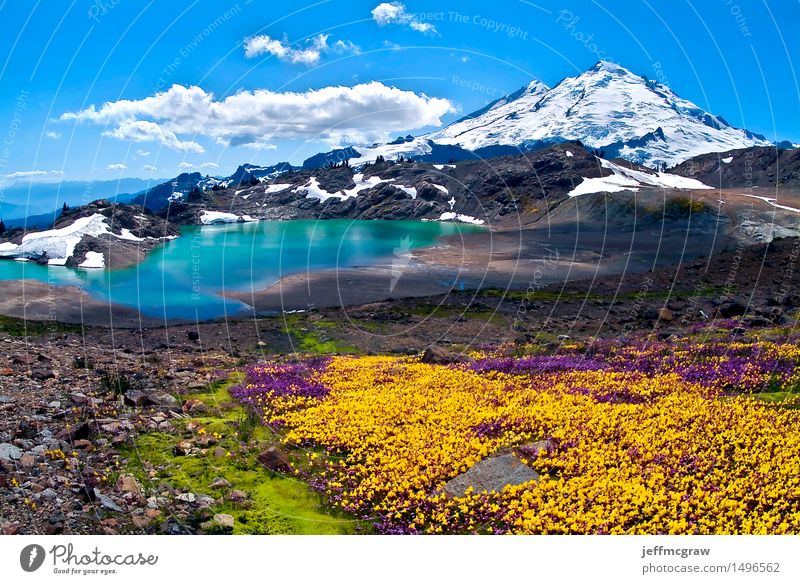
607 107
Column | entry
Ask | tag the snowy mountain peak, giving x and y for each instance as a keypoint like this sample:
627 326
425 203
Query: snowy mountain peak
607 107
536 87
610 67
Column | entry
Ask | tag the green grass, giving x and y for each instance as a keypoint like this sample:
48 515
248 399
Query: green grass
278 504
18 327
314 337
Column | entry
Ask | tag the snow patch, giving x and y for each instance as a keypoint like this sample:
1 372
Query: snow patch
441 188
625 179
218 217
94 259
411 191
727 159
774 202
126 234
59 244
568 153
313 189
462 218
276 188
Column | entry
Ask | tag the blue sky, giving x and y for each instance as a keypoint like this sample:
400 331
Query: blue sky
739 59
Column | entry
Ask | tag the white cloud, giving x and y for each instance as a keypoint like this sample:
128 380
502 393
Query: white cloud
395 13
145 131
260 145
53 135
117 166
149 167
34 174
185 165
142 153
366 112
309 53
346 47
209 165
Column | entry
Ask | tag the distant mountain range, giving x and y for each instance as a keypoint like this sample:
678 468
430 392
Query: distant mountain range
608 109
27 199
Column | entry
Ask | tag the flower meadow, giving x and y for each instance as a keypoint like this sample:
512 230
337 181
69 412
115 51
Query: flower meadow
649 437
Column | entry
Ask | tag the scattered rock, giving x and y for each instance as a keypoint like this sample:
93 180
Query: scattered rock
27 460
442 356
140 521
182 449
41 374
165 400
193 335
237 496
136 398
665 315
275 460
187 497
129 484
194 406
9 452
106 501
221 523
219 483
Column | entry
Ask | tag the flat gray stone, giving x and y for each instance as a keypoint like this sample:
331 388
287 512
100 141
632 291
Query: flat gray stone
107 502
9 452
491 475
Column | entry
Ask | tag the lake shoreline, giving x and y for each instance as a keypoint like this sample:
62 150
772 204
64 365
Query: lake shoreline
525 259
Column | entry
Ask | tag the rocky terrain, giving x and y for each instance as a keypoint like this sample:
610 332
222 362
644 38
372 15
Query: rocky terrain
763 167
100 234
95 420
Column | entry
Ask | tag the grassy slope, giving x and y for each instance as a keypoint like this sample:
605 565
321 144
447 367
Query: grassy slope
279 504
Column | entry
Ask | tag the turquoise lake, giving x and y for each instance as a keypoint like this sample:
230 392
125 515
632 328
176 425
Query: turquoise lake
182 278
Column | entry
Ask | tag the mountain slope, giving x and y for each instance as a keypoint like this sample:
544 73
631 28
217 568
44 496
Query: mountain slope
749 167
608 108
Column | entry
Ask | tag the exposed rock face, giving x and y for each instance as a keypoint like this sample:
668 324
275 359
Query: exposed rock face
491 475
489 190
744 168
97 235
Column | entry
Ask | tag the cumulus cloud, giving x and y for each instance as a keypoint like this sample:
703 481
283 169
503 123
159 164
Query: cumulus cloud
149 167
146 131
185 165
117 166
395 13
142 153
363 113
209 165
53 135
308 53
